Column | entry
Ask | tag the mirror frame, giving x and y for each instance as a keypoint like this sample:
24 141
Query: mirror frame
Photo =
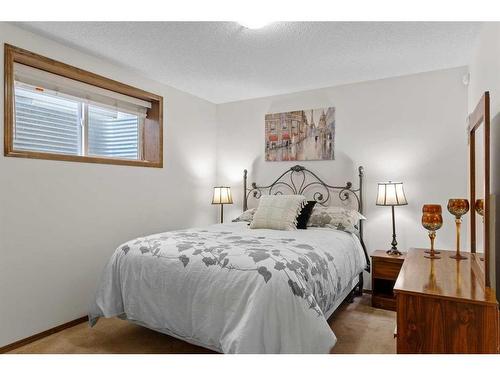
480 116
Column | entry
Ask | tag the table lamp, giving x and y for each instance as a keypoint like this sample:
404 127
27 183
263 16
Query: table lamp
222 196
391 194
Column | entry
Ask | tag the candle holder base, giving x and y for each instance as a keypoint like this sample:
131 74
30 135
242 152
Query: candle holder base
432 256
435 251
458 257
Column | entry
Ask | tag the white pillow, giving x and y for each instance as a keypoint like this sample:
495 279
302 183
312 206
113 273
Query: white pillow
336 218
278 212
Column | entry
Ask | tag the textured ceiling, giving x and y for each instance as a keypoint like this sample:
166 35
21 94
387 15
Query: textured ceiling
223 62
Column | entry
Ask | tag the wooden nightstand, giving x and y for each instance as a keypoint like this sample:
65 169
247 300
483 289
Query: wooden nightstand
385 271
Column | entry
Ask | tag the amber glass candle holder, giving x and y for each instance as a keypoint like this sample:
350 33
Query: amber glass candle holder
458 208
479 207
432 221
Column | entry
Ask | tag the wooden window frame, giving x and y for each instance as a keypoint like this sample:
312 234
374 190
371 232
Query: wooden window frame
152 131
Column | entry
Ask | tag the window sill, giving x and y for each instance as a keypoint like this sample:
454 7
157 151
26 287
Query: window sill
82 159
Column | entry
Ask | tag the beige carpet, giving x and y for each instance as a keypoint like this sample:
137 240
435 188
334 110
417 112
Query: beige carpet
359 329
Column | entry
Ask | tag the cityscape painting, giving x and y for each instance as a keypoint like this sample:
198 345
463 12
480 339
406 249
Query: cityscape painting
301 135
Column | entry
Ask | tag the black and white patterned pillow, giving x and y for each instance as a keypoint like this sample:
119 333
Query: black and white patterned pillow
339 218
246 216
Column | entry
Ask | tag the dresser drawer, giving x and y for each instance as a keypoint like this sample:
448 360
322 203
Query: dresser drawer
385 269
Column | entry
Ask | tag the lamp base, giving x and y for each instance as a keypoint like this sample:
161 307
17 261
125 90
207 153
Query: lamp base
394 252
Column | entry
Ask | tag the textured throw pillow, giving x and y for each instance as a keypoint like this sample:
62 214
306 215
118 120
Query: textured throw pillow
246 216
335 217
305 214
278 212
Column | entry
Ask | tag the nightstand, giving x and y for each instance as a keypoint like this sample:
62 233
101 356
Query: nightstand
385 271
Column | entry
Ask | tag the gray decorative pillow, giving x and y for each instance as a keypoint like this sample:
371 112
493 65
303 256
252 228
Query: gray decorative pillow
278 212
246 216
339 218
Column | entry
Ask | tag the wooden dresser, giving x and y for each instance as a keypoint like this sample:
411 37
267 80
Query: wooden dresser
442 307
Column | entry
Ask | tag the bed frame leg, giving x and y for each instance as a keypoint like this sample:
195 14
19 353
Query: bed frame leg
359 291
350 297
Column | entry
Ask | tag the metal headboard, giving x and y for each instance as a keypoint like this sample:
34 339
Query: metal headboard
298 179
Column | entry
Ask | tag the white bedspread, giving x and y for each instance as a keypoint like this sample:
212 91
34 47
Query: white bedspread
233 289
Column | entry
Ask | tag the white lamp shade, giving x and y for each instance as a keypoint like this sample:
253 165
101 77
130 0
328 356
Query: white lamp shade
222 195
391 194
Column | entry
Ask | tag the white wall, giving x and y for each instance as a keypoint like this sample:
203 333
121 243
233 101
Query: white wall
410 128
485 76
60 221
484 67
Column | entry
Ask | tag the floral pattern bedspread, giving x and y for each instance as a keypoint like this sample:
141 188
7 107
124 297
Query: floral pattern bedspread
233 289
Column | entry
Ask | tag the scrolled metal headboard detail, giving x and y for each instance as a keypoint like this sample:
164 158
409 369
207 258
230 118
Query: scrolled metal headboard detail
300 180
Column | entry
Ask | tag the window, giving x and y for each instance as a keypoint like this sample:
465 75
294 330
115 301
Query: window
46 124
55 111
113 133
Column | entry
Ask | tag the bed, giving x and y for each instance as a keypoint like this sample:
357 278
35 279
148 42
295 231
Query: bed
238 290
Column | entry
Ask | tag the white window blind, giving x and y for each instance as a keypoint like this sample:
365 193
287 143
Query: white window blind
112 133
56 114
46 124
86 93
